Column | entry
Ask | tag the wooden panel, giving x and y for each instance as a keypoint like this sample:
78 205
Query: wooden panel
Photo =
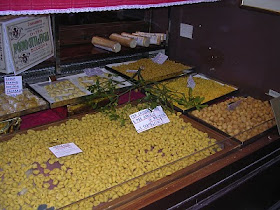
235 45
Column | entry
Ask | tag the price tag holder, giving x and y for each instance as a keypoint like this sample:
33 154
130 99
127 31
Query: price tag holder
275 103
273 93
147 119
65 149
97 71
232 106
160 58
190 82
13 85
131 71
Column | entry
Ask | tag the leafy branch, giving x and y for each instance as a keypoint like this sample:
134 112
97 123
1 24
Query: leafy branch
155 94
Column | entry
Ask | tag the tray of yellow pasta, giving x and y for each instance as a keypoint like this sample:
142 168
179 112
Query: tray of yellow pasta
115 160
208 89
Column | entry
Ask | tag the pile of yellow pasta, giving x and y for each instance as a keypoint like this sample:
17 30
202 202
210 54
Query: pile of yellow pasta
209 89
63 90
31 175
151 70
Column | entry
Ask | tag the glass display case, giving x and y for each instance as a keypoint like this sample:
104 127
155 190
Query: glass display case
118 167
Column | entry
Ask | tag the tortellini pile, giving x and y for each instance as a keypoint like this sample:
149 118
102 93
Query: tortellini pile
87 81
209 89
63 90
21 102
31 175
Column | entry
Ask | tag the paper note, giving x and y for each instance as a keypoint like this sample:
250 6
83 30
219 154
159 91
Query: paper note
190 82
131 71
13 85
93 71
275 104
232 106
65 150
160 58
147 119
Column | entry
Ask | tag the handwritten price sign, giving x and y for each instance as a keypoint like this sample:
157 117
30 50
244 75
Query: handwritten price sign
13 85
65 150
146 119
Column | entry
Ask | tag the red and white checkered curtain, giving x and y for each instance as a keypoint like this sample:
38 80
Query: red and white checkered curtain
28 7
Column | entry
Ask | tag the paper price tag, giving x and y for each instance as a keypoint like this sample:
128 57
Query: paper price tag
146 119
65 150
160 114
232 106
160 58
131 71
275 104
93 71
13 85
190 82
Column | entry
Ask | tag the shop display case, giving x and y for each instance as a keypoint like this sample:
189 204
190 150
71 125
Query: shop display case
187 161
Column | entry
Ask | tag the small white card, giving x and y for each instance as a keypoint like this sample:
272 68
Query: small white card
13 85
160 58
131 71
97 71
65 150
232 106
190 82
146 119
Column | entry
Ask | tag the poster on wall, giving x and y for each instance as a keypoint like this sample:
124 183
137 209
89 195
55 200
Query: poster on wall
266 5
24 42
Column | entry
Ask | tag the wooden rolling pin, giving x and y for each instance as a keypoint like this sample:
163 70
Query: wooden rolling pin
140 40
154 38
106 44
125 41
161 35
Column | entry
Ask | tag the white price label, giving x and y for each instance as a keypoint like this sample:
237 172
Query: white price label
131 71
160 58
13 85
65 150
147 119
232 106
97 71
190 82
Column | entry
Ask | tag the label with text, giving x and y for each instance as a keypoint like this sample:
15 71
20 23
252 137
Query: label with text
97 71
190 82
233 105
65 150
147 119
13 85
160 58
131 71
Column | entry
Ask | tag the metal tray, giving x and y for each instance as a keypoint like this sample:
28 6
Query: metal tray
215 100
193 161
187 71
39 88
26 111
235 137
